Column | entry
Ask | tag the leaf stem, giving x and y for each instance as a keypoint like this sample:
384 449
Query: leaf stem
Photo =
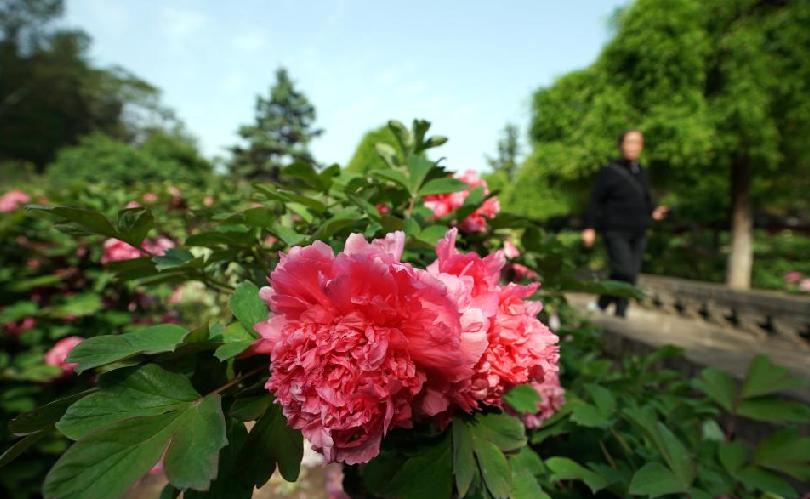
238 379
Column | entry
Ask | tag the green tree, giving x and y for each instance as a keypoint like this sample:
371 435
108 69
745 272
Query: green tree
722 92
508 151
51 95
280 135
365 156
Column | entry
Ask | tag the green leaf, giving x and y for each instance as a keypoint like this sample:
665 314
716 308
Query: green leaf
587 415
718 385
603 399
731 455
338 221
100 350
147 390
418 168
523 399
174 258
289 236
464 467
392 175
227 484
504 431
104 463
248 307
426 474
495 470
44 417
759 479
260 217
653 480
442 186
250 408
765 378
565 469
785 451
90 220
431 234
525 466
774 410
235 340
77 305
677 456
21 445
272 442
193 456
133 225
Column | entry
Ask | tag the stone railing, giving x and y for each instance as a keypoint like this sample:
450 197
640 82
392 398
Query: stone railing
765 313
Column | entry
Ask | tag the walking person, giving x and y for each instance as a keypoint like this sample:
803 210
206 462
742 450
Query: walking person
621 208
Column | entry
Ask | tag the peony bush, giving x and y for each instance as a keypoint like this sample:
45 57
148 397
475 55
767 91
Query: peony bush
394 322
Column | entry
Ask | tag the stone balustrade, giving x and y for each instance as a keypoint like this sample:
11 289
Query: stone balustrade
762 313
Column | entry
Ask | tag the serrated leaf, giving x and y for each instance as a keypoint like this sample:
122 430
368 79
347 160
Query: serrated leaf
100 350
248 307
227 485
523 399
174 258
133 224
603 399
418 168
147 390
495 471
587 415
653 480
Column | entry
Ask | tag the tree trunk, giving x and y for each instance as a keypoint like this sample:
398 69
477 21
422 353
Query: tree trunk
740 259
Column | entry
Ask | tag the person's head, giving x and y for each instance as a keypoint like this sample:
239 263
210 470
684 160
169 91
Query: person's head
631 143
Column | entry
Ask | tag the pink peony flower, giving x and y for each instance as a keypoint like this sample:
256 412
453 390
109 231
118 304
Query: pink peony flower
150 197
57 356
444 204
116 250
353 339
15 329
500 328
12 200
804 285
133 204
552 398
793 276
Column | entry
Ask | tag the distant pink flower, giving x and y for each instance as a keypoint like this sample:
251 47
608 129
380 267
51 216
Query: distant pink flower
150 197
208 201
444 204
353 338
270 240
793 276
133 204
521 272
804 285
157 246
510 250
552 398
174 191
116 250
382 208
57 356
15 329
12 200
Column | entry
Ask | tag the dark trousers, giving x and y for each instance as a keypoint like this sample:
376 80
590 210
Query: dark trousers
625 251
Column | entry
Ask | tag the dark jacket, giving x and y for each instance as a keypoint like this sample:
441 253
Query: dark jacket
620 199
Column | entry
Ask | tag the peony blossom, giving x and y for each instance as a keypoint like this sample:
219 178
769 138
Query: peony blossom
12 200
804 285
57 355
552 398
793 276
518 348
116 250
15 329
510 250
353 338
444 204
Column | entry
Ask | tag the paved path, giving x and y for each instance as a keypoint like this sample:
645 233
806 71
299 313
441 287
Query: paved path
705 344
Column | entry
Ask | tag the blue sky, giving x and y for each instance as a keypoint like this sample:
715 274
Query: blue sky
467 66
